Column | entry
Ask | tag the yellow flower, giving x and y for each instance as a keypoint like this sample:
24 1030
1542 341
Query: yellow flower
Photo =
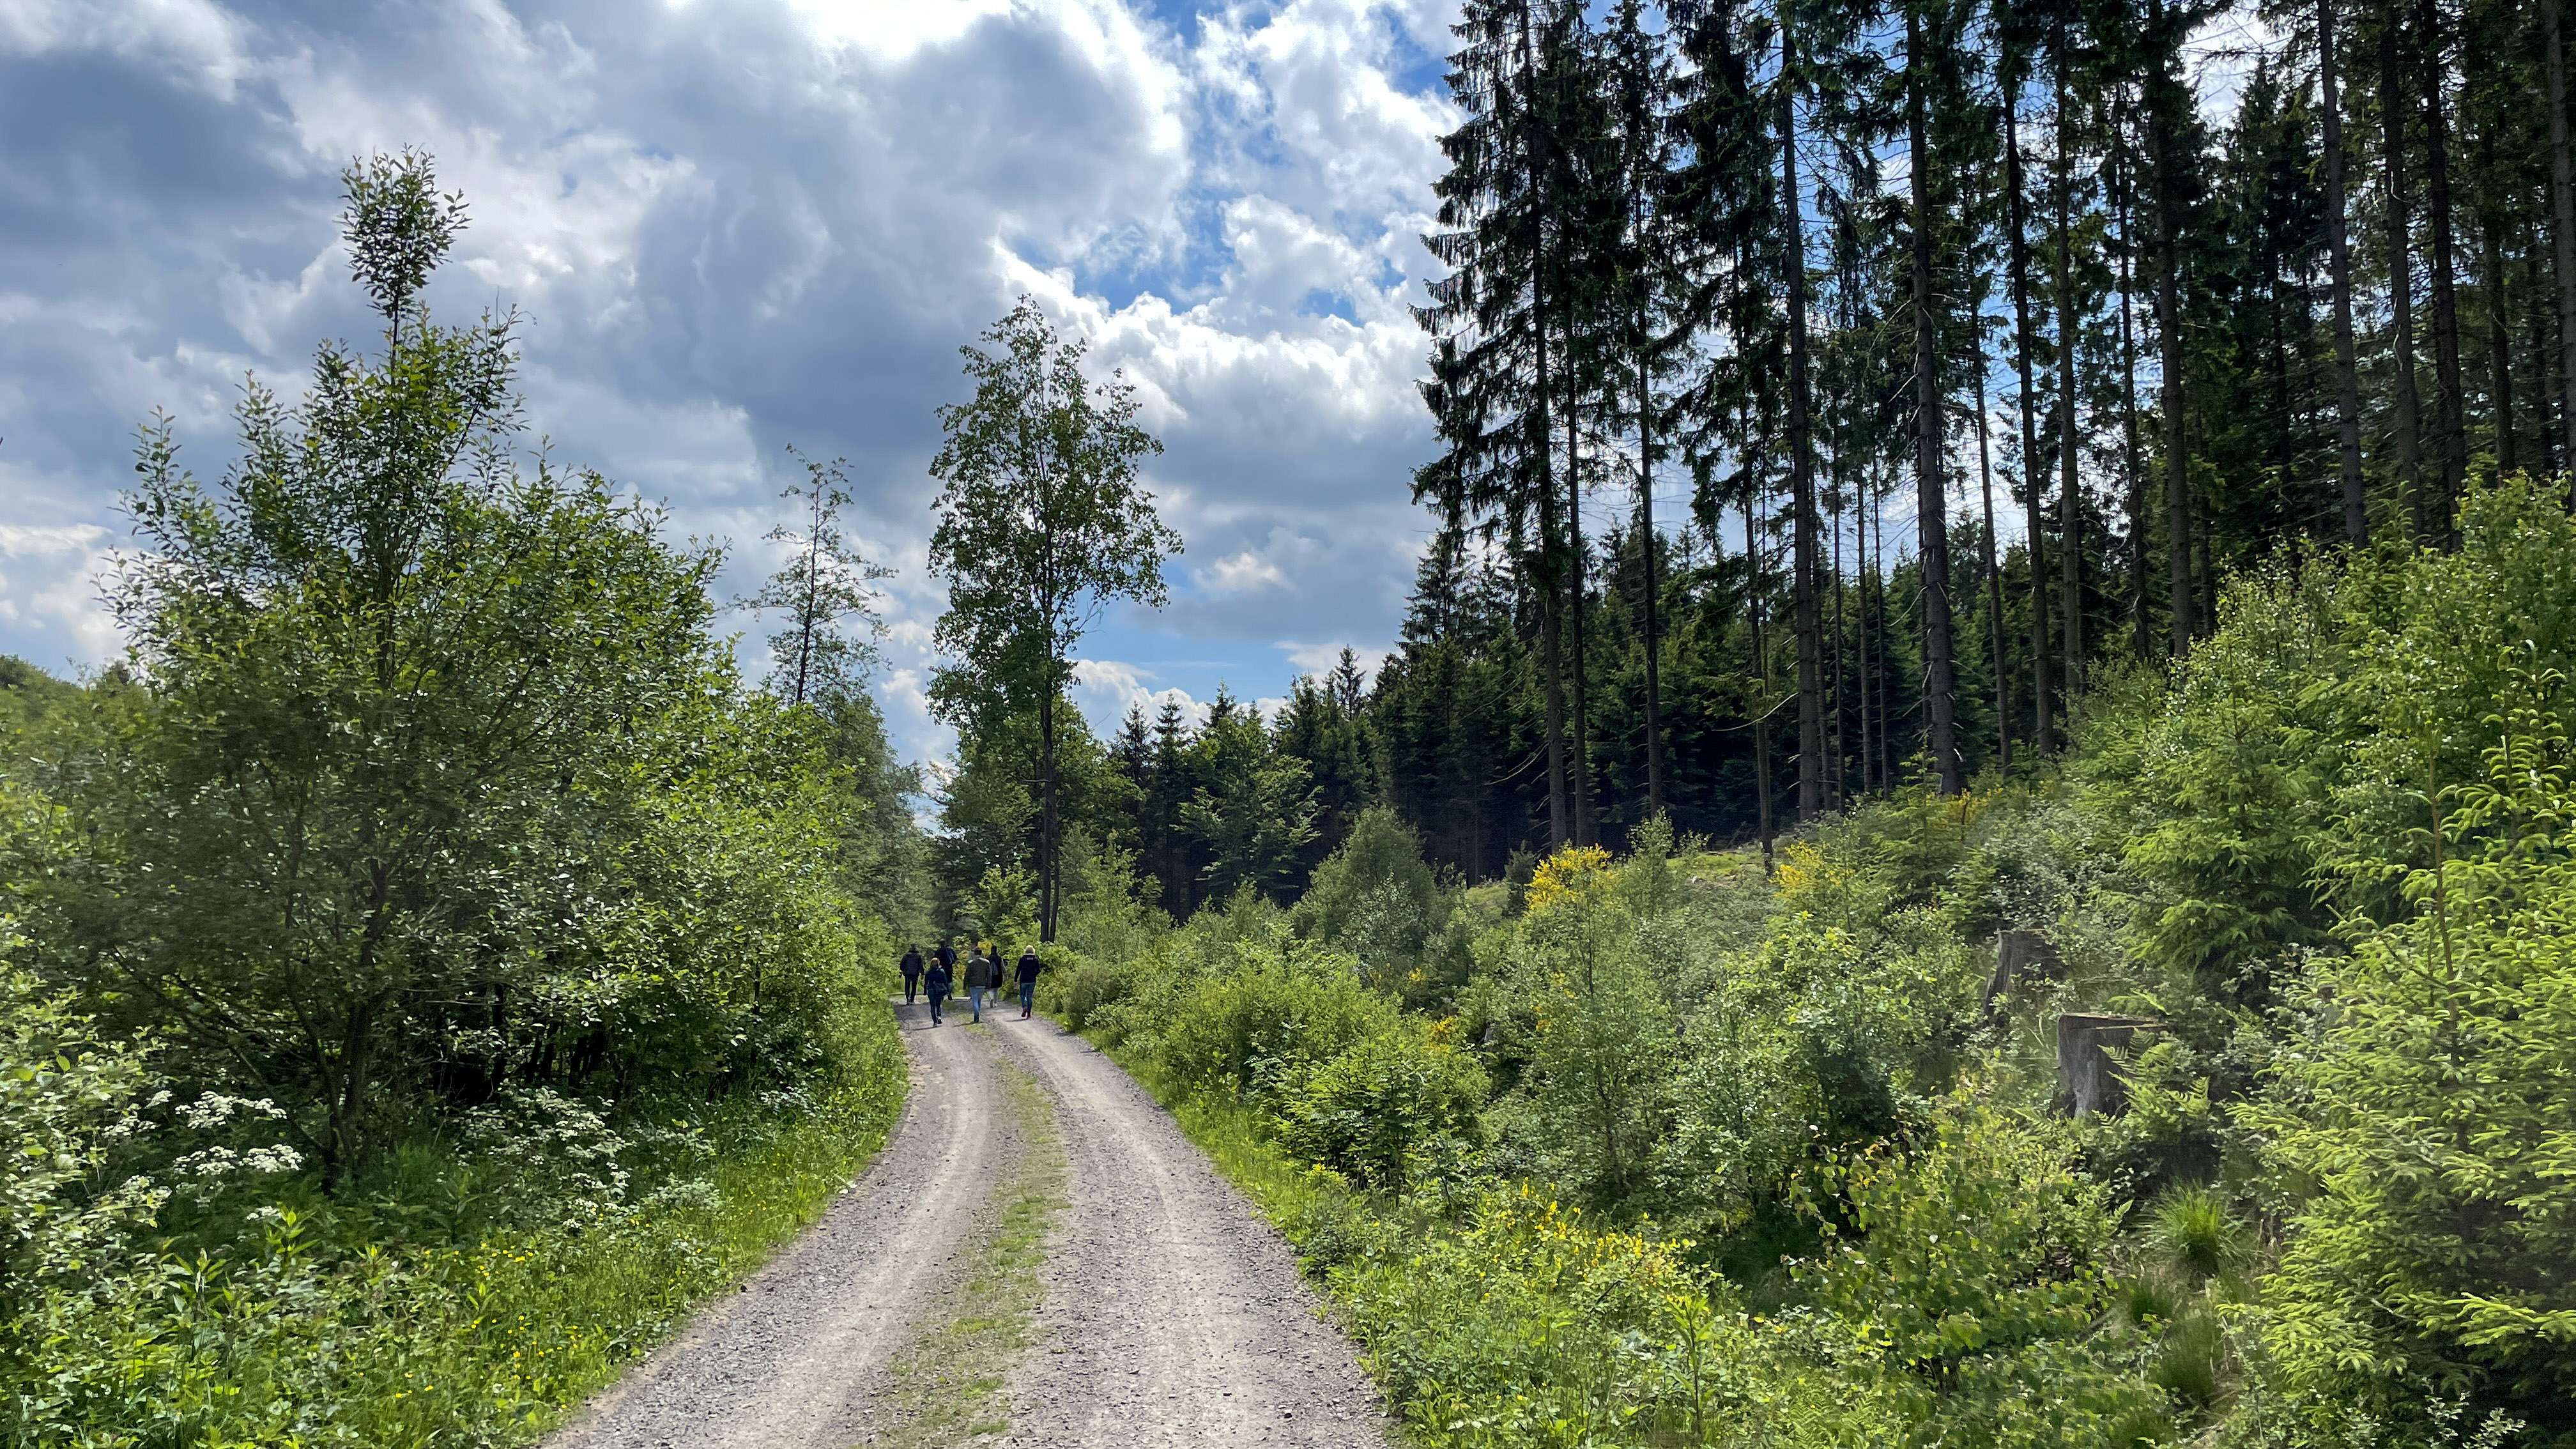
1573 873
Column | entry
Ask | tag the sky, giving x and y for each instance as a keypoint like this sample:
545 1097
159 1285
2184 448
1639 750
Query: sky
729 227
732 226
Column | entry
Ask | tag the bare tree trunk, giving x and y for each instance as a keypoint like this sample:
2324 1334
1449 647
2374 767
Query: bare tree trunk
2401 273
2543 305
2034 491
1804 586
1873 640
1931 505
2169 345
1578 604
1552 625
1841 776
2500 346
1762 673
1046 805
2134 469
2562 199
1654 587
1994 582
1551 662
2451 396
2070 328
2356 520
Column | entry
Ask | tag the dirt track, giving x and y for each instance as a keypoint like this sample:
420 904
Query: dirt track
1172 1315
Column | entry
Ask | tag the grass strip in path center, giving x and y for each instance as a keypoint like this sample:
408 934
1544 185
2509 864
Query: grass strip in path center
944 1388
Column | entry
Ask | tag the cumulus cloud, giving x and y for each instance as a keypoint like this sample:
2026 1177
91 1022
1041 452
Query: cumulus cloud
1106 689
731 225
48 588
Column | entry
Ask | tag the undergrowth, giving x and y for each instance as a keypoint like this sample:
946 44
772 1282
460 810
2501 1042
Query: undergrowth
339 1326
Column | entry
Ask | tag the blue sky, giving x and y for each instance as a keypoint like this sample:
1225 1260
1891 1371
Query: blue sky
735 225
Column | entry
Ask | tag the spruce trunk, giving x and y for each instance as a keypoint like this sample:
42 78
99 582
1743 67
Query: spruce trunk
2401 274
1931 513
2070 494
2450 412
1804 585
2562 200
2131 465
2356 521
1994 581
2017 261
2169 347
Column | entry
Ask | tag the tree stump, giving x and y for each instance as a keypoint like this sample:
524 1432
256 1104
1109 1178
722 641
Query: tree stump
2019 954
2088 1081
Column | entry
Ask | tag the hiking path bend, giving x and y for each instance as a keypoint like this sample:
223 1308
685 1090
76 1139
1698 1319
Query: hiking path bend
1171 1314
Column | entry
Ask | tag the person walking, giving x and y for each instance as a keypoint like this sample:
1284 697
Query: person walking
934 984
947 955
1030 966
979 979
911 971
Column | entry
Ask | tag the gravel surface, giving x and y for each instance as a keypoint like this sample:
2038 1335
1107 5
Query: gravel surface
794 1357
1173 1314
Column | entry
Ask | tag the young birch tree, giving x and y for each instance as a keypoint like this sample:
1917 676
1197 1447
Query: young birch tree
825 582
1042 521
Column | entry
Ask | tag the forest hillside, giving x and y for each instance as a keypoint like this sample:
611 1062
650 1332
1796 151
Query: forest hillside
1680 1147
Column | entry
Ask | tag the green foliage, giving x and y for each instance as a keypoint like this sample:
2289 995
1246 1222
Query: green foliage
1377 899
425 839
400 701
1259 1016
1369 1110
66 1093
1042 522
825 581
2425 1119
1974 1264
315 1334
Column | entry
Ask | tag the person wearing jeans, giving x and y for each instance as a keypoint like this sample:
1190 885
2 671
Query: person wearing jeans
980 978
1030 966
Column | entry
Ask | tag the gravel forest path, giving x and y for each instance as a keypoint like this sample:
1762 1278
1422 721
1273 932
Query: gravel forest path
1167 1312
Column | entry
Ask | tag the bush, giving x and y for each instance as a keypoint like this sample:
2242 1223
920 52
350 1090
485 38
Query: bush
1282 1010
1978 1266
1368 1110
2425 1123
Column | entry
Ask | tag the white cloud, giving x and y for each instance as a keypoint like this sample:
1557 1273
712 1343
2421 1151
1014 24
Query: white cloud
49 581
1106 689
195 42
1241 573
1321 659
730 225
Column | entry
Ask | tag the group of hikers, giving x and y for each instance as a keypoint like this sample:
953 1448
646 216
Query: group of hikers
937 977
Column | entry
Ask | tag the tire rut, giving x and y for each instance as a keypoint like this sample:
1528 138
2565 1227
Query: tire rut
794 1359
1174 1315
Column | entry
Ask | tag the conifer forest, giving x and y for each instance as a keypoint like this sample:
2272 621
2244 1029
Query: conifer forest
1968 837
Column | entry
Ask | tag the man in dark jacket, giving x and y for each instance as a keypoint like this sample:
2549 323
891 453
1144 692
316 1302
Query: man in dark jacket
934 984
1030 966
980 978
911 972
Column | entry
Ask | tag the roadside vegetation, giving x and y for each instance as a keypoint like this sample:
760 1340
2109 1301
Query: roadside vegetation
425 970
1671 1147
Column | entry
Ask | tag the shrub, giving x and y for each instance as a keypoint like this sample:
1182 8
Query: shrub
1368 1110
1282 1010
1977 1267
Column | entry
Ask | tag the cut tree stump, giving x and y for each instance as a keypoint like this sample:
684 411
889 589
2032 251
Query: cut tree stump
2088 1081
2019 954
